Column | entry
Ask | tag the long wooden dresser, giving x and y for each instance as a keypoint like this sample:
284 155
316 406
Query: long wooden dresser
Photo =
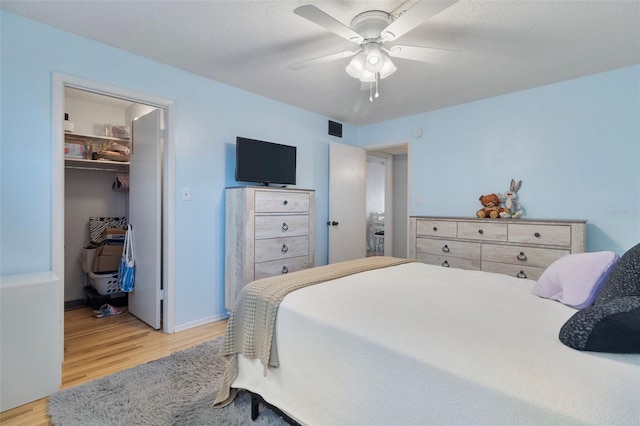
267 232
519 247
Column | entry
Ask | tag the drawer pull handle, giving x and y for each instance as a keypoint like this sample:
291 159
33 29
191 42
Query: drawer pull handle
284 248
522 257
445 248
285 269
480 231
435 229
285 202
537 235
285 227
521 274
445 264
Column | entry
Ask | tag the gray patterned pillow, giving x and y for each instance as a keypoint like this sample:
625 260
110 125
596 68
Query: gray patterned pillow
612 324
624 279
610 327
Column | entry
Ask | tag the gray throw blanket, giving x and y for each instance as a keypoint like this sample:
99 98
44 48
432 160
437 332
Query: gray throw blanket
251 327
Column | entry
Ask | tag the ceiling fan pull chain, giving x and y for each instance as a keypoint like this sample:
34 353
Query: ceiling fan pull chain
377 79
370 91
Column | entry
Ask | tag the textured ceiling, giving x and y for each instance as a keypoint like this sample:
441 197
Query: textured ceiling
506 46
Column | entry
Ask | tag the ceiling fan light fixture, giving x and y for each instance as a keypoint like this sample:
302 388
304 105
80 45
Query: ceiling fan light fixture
375 57
356 65
388 68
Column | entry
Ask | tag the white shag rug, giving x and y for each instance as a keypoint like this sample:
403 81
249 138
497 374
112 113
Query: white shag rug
175 390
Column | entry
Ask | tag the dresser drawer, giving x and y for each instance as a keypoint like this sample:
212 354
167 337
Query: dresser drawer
553 235
437 228
486 231
519 255
281 202
281 248
281 226
283 266
448 248
449 261
518 271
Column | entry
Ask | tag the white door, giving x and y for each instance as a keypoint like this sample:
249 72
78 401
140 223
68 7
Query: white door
145 217
347 203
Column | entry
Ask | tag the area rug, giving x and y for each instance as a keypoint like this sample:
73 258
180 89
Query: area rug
176 390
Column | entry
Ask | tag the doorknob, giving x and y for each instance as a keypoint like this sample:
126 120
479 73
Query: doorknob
332 223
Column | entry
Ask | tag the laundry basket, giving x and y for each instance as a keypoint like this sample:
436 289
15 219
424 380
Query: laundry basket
105 283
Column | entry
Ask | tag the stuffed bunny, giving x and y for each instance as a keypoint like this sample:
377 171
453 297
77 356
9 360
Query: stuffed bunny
510 203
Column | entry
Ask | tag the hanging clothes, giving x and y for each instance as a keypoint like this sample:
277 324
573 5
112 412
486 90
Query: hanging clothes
121 182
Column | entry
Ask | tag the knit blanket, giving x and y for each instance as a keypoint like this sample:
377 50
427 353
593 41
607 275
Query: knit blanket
251 327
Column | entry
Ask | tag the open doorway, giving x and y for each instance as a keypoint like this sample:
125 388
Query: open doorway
387 201
79 91
376 206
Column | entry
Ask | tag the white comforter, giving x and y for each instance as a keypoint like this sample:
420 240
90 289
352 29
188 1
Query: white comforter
417 344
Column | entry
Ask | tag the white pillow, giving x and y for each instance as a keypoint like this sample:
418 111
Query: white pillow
575 280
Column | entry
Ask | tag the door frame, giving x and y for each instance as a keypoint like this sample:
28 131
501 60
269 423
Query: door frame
377 150
59 82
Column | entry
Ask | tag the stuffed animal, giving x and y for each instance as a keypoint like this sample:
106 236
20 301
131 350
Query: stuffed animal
491 206
512 208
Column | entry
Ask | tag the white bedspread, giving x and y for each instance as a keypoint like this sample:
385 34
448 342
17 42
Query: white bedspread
417 344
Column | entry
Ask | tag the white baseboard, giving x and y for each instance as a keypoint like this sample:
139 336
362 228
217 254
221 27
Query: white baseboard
203 321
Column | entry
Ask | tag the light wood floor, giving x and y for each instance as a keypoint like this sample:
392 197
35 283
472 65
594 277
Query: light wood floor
96 347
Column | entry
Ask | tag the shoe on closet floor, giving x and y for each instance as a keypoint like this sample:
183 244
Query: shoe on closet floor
107 310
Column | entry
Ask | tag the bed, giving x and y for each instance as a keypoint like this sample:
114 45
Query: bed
416 344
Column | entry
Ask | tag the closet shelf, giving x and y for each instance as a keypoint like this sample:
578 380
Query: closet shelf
90 144
99 165
79 136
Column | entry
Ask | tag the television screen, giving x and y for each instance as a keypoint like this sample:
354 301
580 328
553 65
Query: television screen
265 162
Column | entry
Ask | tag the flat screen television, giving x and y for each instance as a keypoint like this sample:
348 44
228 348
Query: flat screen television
264 162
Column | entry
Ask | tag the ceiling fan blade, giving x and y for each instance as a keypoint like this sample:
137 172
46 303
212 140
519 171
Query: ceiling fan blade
319 17
416 15
322 60
430 55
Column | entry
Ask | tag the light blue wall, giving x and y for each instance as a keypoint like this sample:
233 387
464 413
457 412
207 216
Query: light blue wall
575 145
209 117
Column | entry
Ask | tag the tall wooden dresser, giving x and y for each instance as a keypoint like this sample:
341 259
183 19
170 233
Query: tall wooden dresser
268 231
519 247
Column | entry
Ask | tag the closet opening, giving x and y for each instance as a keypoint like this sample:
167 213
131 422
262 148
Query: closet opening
97 193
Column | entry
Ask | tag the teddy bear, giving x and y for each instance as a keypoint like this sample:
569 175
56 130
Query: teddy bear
491 206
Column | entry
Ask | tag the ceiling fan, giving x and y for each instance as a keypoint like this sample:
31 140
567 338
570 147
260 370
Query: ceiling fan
371 61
